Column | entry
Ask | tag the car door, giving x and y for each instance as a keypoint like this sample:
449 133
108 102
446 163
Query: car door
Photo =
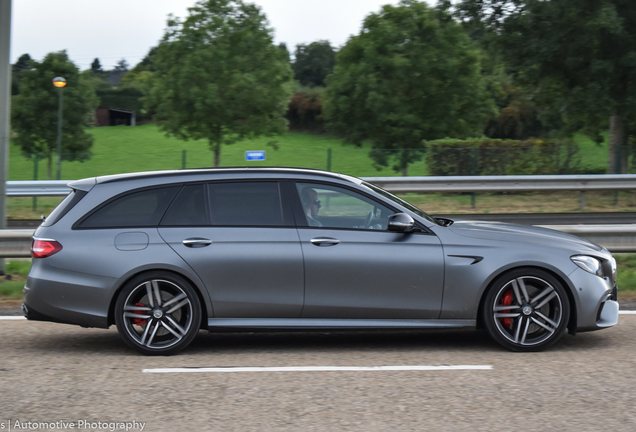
355 267
240 239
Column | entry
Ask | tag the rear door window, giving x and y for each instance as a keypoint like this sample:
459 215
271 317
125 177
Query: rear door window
245 204
143 208
188 208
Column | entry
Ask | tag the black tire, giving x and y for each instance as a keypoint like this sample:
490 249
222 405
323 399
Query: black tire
158 313
538 312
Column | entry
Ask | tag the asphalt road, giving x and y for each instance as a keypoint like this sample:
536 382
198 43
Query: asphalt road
54 372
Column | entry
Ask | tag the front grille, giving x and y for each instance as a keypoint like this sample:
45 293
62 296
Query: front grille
614 295
607 271
600 310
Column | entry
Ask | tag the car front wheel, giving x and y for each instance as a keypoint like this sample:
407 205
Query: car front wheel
158 313
526 310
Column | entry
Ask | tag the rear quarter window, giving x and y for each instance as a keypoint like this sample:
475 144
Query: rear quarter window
64 207
143 208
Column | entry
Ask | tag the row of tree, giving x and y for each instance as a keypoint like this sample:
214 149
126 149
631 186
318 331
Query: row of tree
507 69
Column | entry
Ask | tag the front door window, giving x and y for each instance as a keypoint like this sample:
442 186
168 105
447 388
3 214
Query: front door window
334 207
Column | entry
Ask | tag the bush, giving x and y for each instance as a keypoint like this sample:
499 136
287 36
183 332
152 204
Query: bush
450 157
305 110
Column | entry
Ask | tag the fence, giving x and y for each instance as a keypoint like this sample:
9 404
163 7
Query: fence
344 159
472 184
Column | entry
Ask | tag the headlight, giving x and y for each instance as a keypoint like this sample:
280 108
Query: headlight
589 264
613 263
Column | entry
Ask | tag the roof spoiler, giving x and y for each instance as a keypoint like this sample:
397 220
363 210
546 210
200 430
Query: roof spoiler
83 185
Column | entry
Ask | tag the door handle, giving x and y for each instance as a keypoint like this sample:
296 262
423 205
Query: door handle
197 242
324 241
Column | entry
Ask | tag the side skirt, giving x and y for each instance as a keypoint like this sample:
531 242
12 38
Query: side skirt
286 324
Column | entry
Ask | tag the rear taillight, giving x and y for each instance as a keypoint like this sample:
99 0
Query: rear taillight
42 248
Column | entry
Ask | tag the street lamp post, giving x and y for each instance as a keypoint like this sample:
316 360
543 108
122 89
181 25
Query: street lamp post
5 108
60 83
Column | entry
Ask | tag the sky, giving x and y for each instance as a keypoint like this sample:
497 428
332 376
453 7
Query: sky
114 29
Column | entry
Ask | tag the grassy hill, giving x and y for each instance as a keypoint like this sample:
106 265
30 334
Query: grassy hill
124 149
143 148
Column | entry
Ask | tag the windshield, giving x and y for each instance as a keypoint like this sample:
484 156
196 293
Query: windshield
401 202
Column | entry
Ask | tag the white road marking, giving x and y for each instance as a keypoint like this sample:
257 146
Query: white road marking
627 312
319 369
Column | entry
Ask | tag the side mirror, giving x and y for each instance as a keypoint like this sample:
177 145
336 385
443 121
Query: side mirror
401 222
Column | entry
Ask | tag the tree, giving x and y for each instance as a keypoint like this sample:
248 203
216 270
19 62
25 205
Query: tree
34 111
411 75
96 67
305 109
96 82
23 63
146 63
219 76
313 63
283 47
122 65
17 71
580 57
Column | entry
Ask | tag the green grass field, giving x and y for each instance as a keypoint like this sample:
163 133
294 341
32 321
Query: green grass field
626 279
12 289
144 148
124 149
593 156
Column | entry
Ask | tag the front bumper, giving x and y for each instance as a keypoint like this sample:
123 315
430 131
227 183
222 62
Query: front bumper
596 299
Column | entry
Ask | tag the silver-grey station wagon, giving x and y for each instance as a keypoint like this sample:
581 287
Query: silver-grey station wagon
164 254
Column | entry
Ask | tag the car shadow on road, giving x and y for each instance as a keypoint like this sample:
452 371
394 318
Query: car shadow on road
341 341
102 343
430 340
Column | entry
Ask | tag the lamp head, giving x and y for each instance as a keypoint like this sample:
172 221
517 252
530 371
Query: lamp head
59 82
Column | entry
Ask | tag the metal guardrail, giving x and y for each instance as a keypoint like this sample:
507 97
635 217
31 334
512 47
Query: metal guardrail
38 188
619 238
415 184
616 238
506 183
15 243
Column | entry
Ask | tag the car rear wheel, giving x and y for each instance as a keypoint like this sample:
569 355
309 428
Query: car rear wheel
158 313
526 310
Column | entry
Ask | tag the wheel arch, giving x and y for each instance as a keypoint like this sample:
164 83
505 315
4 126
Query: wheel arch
572 322
204 307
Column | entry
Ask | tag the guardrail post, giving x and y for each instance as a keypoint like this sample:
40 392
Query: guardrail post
183 159
36 162
329 159
475 155
581 200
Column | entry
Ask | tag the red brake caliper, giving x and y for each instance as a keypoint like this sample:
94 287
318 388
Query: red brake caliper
506 300
139 321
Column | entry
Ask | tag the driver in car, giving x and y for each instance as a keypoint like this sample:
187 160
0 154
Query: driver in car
311 205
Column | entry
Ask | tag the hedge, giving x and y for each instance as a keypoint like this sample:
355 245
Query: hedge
450 157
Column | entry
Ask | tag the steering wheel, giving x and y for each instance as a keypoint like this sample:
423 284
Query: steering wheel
367 222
